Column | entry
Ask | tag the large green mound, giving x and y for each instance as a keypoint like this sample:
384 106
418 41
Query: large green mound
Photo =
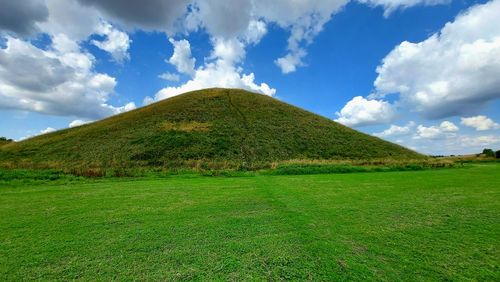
226 127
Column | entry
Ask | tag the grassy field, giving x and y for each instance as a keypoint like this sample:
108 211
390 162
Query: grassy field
416 225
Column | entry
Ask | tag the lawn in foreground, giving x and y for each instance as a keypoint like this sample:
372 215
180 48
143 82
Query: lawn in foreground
420 225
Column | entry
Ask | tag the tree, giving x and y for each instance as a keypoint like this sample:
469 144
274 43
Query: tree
489 153
497 154
5 140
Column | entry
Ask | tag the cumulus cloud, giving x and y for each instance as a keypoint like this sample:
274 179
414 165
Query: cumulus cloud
229 40
78 122
21 17
456 144
442 139
41 132
220 71
225 19
480 142
78 23
291 61
47 130
395 130
182 58
480 123
116 42
75 21
446 129
169 76
448 126
59 81
453 72
255 31
360 112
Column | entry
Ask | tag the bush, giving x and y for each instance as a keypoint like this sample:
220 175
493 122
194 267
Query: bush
4 141
489 153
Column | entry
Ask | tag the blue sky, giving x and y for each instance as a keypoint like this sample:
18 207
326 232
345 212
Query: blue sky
424 74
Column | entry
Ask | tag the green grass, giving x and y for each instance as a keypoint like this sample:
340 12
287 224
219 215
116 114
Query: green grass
414 225
212 128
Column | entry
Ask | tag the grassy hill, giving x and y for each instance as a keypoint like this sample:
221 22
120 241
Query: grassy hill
214 127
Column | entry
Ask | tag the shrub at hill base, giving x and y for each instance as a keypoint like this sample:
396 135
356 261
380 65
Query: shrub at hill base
489 153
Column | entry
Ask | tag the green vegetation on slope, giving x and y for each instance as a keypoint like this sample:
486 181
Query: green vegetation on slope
4 141
214 127
439 226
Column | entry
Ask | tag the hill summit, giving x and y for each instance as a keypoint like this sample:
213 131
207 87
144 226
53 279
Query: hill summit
226 126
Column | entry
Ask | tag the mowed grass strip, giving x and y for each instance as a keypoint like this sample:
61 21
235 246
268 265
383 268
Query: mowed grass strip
419 225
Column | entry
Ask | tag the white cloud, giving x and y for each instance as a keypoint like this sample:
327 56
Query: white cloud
255 31
78 122
432 132
360 112
220 70
47 130
446 129
128 107
67 17
221 18
169 76
480 141
395 130
228 51
456 144
77 23
453 72
215 74
392 5
304 19
116 42
442 139
226 20
41 132
291 61
480 123
149 100
58 81
182 58
448 126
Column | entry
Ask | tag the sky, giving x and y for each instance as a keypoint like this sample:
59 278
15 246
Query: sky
421 73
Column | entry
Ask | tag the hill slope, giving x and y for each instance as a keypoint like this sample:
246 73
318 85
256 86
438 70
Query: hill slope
214 125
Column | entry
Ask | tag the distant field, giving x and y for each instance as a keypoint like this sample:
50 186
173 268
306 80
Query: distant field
416 225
